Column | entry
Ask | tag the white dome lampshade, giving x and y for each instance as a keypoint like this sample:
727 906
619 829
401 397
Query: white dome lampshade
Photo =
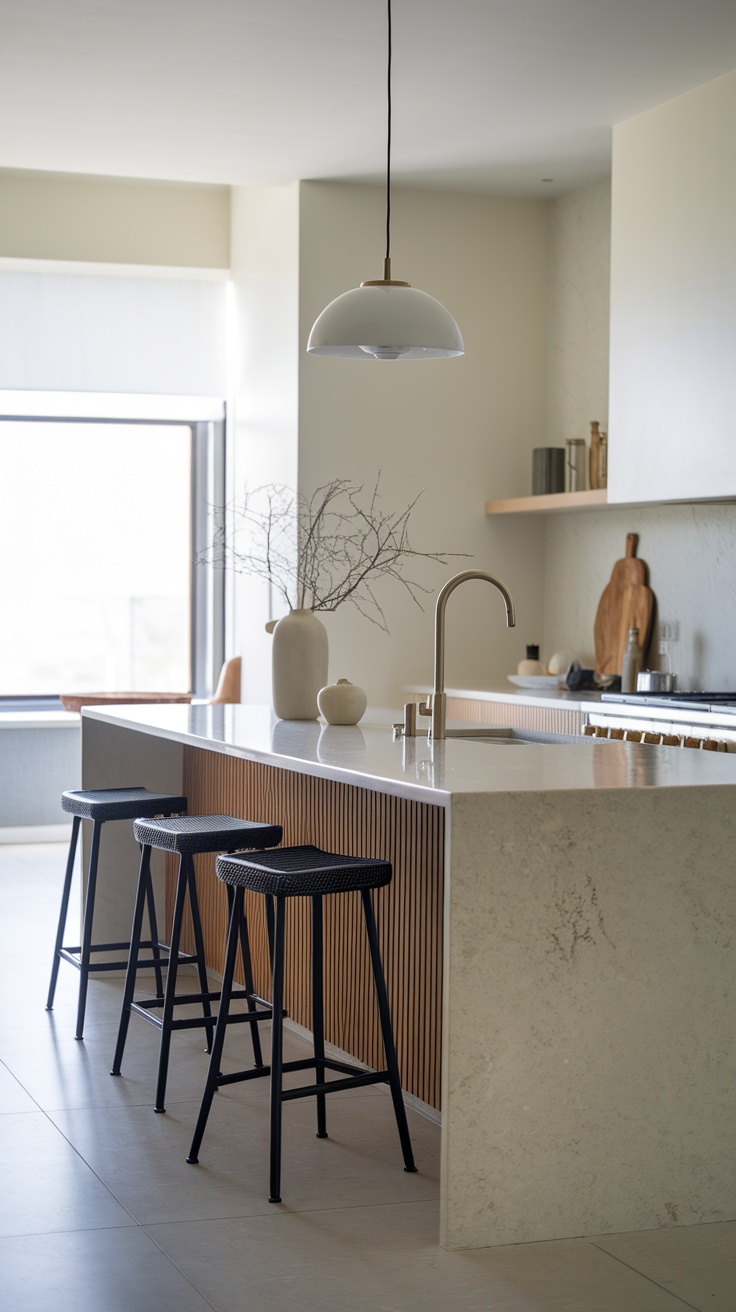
385 321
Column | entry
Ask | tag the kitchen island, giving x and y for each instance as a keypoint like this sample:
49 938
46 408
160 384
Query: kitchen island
582 900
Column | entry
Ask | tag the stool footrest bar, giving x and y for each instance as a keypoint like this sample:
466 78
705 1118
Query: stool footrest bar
198 998
335 1086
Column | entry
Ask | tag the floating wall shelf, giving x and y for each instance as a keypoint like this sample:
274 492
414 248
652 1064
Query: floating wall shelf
556 501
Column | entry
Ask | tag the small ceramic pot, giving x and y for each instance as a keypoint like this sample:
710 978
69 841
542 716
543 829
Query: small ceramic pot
342 702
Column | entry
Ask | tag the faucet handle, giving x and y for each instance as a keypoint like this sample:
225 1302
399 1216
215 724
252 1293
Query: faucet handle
425 707
409 727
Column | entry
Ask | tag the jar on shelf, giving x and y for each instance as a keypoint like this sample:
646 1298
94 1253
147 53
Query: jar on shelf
575 459
598 456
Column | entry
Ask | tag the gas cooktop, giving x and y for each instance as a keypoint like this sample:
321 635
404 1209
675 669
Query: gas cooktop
707 701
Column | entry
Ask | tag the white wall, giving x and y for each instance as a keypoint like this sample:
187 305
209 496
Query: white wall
458 430
690 550
263 392
579 302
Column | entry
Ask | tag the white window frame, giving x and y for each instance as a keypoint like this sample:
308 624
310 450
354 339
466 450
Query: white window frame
206 419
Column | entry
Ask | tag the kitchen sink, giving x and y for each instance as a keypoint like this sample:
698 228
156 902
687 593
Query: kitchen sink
505 734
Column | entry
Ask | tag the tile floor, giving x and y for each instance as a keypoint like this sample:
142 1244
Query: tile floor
100 1213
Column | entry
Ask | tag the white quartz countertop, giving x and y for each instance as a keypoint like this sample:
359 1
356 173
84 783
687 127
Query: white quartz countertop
366 754
504 691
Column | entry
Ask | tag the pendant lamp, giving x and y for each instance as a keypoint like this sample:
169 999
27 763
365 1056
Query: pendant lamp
384 319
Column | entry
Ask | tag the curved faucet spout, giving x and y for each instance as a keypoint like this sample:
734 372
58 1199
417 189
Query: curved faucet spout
439 700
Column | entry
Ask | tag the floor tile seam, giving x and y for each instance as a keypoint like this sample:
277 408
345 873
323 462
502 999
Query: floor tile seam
113 1106
175 1265
85 1230
292 1213
91 1168
74 1230
642 1274
27 1092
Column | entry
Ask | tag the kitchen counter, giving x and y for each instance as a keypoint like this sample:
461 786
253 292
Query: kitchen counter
581 899
366 754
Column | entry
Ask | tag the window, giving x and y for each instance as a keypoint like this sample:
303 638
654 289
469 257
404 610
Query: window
100 523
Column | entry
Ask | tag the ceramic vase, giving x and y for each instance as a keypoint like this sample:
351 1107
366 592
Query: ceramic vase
342 702
298 665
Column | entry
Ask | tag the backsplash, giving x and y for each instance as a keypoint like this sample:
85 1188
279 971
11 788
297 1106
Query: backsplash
691 554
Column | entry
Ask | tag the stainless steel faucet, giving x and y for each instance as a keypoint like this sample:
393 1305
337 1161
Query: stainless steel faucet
436 706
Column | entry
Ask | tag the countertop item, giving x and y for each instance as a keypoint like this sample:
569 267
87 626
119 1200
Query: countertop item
532 663
626 603
655 681
342 702
534 680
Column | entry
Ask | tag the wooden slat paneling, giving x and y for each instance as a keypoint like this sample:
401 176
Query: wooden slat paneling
340 818
543 719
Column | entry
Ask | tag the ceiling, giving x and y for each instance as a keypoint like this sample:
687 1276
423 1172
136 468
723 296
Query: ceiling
489 95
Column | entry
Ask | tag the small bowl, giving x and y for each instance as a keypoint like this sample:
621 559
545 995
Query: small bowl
655 681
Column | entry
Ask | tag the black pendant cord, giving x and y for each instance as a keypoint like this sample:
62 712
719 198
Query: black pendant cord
388 145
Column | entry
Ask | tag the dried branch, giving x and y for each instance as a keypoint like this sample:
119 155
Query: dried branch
321 551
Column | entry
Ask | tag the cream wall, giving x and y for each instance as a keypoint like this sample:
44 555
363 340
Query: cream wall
690 549
579 303
458 430
263 392
50 216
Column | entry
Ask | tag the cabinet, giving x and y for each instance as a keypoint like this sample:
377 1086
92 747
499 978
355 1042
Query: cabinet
672 421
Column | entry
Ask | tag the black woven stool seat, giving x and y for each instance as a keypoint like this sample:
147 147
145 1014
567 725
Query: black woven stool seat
120 803
188 836
205 833
100 805
283 874
302 872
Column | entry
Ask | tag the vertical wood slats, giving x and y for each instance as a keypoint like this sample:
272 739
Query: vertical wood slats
542 719
340 818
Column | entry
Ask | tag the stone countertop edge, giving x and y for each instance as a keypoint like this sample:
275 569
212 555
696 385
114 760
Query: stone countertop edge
366 755
506 692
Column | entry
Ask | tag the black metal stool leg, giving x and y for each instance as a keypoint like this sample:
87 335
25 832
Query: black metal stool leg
277 1049
270 927
141 897
63 910
89 910
153 931
199 951
249 985
388 1038
218 1043
170 990
318 1013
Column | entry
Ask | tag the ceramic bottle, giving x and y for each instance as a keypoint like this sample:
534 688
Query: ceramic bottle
631 662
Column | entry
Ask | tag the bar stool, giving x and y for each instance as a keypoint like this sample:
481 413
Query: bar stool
188 835
99 805
302 872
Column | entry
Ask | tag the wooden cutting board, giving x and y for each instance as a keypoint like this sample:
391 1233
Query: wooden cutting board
626 603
